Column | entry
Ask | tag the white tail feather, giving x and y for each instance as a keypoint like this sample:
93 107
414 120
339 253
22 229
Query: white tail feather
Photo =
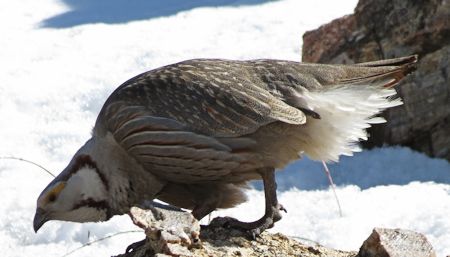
346 112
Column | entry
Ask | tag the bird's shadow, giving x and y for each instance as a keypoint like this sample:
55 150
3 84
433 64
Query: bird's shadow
381 166
119 11
219 236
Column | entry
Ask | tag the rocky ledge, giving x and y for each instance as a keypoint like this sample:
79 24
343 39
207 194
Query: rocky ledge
172 232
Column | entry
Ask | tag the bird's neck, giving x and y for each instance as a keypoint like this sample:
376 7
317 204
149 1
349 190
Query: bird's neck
128 183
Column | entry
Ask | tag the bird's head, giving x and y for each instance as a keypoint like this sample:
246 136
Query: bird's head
79 193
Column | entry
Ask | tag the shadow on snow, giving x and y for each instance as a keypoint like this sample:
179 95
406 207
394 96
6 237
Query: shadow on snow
382 166
120 11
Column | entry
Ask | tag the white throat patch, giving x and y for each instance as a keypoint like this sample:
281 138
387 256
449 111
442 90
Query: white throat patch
88 183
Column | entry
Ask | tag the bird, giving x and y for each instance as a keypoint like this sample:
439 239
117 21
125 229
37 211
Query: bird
193 134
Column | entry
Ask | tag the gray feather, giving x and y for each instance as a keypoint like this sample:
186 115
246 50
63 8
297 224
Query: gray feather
221 118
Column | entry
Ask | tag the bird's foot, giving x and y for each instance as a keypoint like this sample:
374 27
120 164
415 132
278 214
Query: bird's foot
134 246
253 229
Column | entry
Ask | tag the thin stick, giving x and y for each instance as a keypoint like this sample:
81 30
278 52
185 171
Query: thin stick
306 239
28 161
333 187
100 239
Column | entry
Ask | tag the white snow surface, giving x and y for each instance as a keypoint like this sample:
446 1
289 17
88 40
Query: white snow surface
60 60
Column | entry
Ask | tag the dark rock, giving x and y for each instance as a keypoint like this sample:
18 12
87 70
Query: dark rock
385 242
382 29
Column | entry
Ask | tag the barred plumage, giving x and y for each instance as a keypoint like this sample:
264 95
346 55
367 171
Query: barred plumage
195 132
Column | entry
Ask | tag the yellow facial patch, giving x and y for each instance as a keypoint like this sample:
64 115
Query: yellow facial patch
53 194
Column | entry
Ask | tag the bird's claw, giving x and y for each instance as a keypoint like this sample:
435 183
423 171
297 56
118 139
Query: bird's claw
253 229
134 246
281 208
254 233
276 214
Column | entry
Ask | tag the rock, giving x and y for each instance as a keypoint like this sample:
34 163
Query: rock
382 29
217 241
385 242
169 231
173 232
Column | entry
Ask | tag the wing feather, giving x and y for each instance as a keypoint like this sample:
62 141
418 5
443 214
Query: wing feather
182 121
178 151
182 161
172 138
169 150
211 97
145 123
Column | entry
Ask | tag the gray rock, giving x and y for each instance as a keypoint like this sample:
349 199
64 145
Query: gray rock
169 231
173 232
385 242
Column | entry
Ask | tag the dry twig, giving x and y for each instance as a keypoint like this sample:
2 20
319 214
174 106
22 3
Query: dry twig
333 187
99 240
27 161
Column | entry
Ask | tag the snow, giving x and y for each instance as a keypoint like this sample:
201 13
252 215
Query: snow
59 61
422 207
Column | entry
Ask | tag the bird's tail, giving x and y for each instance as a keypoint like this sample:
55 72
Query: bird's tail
350 106
388 78
401 61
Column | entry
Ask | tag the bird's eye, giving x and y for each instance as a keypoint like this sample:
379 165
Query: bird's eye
53 194
52 197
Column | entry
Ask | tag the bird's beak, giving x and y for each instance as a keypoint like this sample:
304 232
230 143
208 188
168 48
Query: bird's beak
39 219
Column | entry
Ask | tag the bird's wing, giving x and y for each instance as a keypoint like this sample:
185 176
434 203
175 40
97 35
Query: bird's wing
207 98
168 149
185 123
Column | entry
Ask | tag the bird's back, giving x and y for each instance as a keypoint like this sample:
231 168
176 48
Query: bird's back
252 113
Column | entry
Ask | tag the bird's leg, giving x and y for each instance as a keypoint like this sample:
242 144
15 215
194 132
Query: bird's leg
135 246
200 211
273 208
